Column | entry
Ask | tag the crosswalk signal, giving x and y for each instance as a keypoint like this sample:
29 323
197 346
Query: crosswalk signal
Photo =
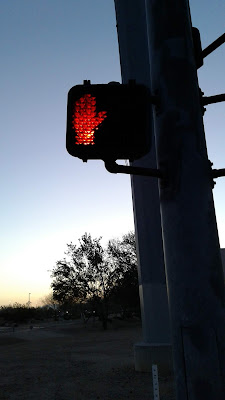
108 121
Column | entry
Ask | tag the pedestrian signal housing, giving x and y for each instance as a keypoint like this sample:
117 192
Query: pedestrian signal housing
108 121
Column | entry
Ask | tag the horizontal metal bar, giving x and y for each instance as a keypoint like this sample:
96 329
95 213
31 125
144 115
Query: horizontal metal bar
218 172
213 99
114 168
213 46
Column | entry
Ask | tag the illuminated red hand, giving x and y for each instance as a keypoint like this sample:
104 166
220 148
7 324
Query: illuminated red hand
85 121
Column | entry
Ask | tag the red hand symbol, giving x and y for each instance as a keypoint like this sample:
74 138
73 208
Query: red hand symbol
85 121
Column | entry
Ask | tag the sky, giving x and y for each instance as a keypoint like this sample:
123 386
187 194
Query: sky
49 198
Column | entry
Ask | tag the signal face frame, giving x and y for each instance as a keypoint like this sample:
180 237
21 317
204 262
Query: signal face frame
108 121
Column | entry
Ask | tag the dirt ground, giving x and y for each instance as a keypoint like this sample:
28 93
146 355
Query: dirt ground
72 361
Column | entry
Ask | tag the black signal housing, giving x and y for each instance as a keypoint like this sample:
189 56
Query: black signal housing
121 115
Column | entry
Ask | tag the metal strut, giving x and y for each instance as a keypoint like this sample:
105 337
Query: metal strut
115 168
218 172
213 46
213 99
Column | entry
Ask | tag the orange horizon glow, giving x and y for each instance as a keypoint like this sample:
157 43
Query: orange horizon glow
85 121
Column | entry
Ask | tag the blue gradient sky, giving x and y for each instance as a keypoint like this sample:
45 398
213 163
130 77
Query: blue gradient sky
49 198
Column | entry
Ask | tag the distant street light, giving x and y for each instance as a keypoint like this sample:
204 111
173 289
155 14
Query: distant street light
29 302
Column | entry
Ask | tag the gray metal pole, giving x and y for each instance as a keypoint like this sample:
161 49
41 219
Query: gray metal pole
134 58
191 245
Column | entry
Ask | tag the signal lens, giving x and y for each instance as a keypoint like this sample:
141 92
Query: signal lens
85 121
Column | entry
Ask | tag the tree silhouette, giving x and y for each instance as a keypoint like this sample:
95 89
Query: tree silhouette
125 290
97 276
84 275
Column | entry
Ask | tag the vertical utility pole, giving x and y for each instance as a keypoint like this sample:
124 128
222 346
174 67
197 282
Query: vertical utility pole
134 59
191 245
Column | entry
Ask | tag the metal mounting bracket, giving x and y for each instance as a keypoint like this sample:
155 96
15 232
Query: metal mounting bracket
212 99
213 46
115 168
218 172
